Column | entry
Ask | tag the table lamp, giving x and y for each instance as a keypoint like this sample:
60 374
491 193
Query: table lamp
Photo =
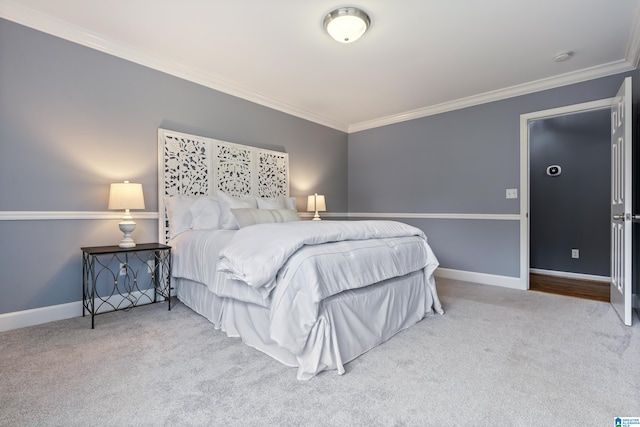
316 203
126 195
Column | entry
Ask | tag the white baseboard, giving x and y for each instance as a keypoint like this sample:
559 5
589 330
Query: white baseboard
482 278
52 313
571 275
38 316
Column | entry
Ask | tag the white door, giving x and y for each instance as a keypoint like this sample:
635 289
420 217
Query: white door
621 199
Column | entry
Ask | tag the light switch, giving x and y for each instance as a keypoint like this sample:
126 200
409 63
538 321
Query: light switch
512 193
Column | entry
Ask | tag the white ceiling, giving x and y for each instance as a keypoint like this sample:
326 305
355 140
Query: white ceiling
419 57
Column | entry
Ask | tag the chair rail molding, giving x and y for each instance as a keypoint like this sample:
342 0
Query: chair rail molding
68 215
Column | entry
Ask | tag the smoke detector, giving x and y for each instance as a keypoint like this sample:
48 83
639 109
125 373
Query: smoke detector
563 56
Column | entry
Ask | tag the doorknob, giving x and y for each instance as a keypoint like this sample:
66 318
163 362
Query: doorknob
635 217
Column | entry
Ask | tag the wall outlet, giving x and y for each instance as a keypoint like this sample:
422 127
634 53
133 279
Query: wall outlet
123 269
575 253
512 193
150 266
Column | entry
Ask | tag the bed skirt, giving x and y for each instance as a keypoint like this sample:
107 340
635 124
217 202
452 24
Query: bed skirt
350 323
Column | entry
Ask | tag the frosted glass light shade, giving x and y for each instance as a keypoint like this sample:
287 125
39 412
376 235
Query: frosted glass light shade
346 24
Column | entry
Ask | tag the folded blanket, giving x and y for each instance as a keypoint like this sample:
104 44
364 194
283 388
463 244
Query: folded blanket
256 253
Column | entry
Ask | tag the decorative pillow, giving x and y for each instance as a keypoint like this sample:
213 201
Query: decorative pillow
247 216
206 213
290 203
178 213
279 202
227 202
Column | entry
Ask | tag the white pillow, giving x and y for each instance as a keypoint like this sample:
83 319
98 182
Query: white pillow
227 202
206 213
279 202
273 203
248 216
178 213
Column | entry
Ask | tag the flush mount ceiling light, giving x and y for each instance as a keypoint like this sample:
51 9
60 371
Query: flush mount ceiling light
346 24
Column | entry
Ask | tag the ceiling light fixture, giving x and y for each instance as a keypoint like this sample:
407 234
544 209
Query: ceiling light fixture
346 24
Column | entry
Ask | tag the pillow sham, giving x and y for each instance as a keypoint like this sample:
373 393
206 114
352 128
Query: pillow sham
279 202
179 214
227 202
248 216
206 213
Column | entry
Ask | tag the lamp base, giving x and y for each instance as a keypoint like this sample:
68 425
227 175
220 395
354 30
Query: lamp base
316 217
127 243
127 228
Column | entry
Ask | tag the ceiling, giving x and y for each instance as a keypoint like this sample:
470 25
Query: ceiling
419 57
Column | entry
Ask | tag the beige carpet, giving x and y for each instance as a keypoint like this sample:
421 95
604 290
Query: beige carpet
497 357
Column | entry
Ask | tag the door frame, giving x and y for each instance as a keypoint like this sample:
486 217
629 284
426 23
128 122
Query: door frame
599 104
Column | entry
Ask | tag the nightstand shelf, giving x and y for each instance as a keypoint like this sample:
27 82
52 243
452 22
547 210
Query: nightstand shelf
115 278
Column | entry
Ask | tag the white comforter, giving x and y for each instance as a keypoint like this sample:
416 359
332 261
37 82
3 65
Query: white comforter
291 268
310 261
257 253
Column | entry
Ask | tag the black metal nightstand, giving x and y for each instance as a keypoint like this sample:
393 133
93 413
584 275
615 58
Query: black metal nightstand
115 278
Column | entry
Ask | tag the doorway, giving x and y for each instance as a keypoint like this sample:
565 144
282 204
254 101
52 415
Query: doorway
565 189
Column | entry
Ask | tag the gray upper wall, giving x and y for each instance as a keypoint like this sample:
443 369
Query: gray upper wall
456 162
459 162
73 120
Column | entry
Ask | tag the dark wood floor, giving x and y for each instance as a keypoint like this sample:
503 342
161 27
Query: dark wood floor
586 289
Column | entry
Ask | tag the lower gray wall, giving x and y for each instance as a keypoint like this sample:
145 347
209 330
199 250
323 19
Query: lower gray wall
458 162
73 120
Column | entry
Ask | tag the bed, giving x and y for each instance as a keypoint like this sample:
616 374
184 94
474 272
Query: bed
311 294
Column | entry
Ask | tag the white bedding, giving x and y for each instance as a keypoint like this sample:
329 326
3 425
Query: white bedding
294 270
257 253
195 257
314 273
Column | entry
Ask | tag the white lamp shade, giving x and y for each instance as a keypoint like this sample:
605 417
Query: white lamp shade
126 195
315 203
346 24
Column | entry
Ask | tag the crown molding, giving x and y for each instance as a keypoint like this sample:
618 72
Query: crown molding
633 48
28 17
498 95
62 29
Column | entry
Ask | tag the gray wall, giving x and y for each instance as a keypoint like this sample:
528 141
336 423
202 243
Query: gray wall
571 210
457 162
73 120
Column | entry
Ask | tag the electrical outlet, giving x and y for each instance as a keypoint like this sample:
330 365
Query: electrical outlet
575 253
150 266
512 193
123 269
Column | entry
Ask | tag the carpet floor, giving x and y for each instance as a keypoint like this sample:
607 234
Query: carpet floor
497 357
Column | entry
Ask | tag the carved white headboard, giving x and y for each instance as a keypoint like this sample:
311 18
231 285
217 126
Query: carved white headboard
192 165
